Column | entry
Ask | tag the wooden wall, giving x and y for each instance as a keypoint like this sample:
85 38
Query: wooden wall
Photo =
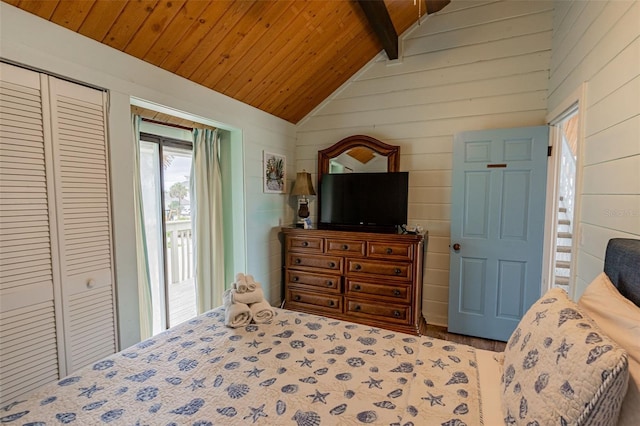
474 65
598 43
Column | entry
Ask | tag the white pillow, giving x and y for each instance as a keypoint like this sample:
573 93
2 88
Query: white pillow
619 319
560 369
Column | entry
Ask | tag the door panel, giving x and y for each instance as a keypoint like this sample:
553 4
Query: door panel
498 196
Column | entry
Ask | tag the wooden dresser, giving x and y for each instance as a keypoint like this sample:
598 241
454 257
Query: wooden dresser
369 278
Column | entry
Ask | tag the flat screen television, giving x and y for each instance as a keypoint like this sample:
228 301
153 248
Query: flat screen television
372 202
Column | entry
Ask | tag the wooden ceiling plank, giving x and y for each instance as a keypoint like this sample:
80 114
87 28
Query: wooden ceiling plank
153 27
101 17
258 33
71 14
175 31
15 3
41 8
128 22
234 13
295 51
434 6
380 21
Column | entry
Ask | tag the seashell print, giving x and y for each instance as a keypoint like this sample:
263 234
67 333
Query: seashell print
227 411
187 364
401 381
524 408
16 416
232 365
334 323
367 341
408 350
206 339
172 356
297 344
147 394
122 390
413 411
155 408
281 370
350 326
69 381
409 340
454 422
313 326
343 377
190 408
62 417
283 355
216 359
338 350
276 342
533 423
373 369
517 388
449 348
419 362
311 351
583 325
541 382
597 352
331 361
261 334
567 390
289 389
237 390
339 409
368 352
462 393
173 339
103 365
568 314
531 359
548 300
367 416
321 371
427 344
404 367
385 404
396 393
355 361
310 379
349 394
285 334
306 418
311 336
94 405
45 401
146 344
251 327
457 378
593 338
251 358
268 382
547 342
298 321
217 382
186 345
514 338
508 375
141 377
454 358
525 341
265 351
408 424
429 383
112 415
281 407
110 374
461 409
346 335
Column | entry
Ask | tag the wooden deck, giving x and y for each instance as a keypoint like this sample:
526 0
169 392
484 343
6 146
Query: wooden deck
182 301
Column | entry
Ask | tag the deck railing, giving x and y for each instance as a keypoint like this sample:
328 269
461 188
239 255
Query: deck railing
179 250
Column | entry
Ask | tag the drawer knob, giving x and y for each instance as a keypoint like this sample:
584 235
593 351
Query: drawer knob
357 307
91 283
298 261
345 247
331 303
305 244
396 314
357 266
397 271
357 287
332 264
396 292
329 283
297 297
389 250
295 279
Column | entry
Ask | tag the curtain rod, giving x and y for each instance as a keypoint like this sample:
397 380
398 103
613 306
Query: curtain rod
178 126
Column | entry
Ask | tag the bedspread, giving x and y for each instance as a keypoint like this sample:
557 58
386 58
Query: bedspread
299 369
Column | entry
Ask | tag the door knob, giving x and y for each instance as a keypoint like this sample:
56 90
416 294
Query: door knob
456 246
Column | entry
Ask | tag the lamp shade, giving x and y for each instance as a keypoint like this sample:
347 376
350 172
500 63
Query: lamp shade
303 184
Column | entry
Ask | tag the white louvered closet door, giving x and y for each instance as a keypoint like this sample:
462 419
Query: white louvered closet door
28 273
83 217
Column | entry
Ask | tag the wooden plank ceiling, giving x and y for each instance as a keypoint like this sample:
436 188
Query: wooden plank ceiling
283 57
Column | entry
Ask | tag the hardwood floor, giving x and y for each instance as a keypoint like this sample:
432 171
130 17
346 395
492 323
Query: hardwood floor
442 333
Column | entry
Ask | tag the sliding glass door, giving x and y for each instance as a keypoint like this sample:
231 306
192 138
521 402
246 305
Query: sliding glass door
165 167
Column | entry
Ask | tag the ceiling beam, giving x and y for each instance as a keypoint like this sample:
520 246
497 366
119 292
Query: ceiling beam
381 24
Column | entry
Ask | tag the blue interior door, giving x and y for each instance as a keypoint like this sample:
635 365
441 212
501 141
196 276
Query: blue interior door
497 228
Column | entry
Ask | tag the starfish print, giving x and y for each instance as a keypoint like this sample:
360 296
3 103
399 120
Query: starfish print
255 372
206 351
438 363
212 327
433 400
318 397
331 337
253 344
306 362
391 352
88 392
373 330
256 413
373 383
283 323
563 349
196 384
539 316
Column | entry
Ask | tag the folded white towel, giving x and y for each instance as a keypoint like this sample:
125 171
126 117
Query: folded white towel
262 312
241 283
249 297
235 314
252 284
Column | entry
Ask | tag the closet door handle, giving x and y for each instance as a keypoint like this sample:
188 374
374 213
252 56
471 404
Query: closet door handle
91 283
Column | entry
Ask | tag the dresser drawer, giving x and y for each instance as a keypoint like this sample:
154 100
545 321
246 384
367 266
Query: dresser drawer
317 282
305 244
399 293
313 301
380 311
387 250
315 262
345 247
370 266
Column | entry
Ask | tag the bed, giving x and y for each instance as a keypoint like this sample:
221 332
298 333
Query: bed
308 370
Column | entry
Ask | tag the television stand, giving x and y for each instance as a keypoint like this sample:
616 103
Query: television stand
364 277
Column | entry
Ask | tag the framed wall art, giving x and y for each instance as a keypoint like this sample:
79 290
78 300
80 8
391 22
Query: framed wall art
274 173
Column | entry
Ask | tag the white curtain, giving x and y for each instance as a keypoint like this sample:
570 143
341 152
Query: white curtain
206 217
144 281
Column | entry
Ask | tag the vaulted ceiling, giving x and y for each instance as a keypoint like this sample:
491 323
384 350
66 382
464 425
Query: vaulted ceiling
283 57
